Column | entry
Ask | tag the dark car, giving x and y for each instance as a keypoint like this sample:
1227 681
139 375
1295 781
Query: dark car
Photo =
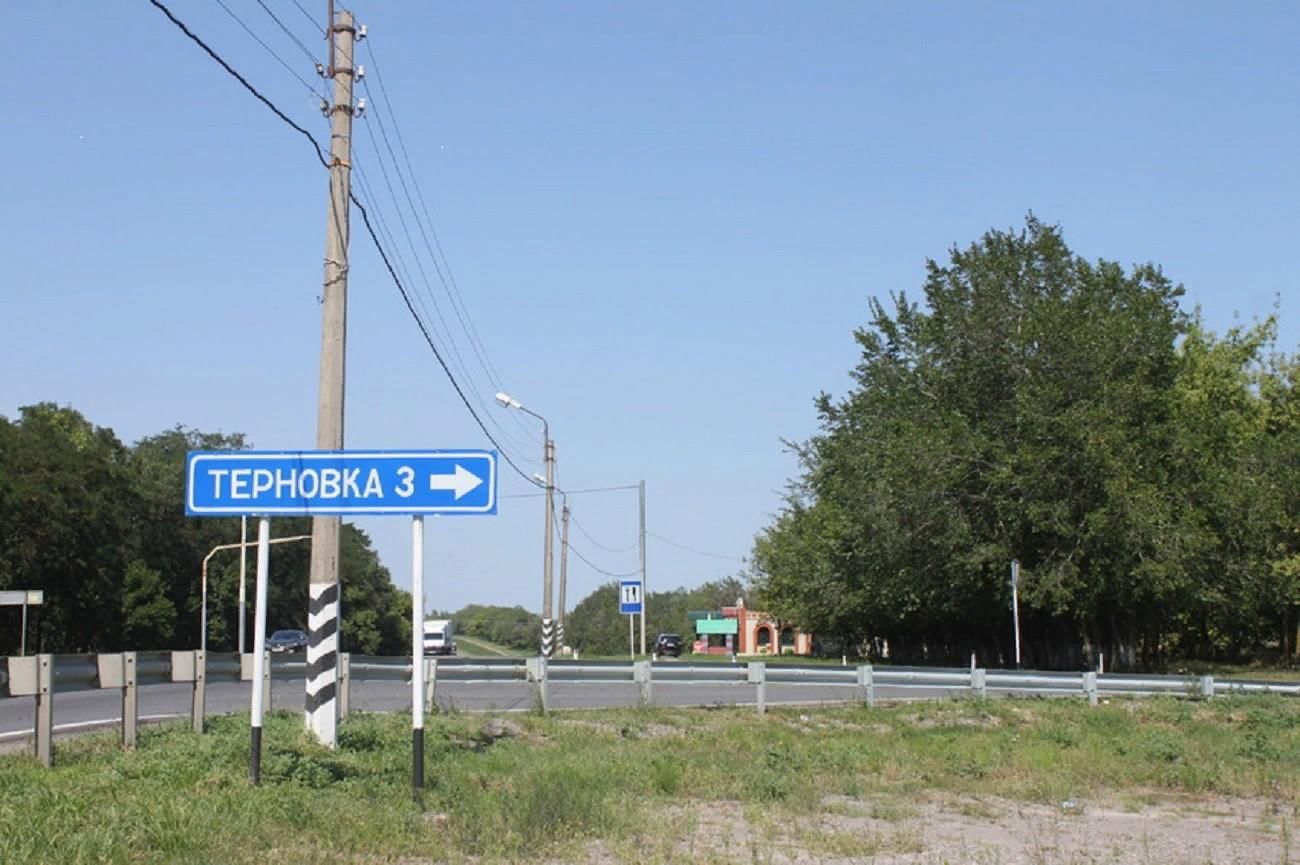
287 641
668 646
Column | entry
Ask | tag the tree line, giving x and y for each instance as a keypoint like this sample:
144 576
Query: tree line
595 626
100 527
1069 414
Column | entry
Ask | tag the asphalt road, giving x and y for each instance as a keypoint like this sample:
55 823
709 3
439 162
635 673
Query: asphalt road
78 711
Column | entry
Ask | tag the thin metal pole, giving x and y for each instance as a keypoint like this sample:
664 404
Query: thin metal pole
321 694
259 649
203 605
242 546
22 650
243 574
645 592
417 652
631 633
1015 605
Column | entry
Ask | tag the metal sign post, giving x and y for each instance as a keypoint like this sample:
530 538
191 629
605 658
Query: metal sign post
335 483
22 598
417 653
259 649
1015 605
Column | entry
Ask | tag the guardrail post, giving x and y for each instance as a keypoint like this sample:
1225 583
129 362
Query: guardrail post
192 666
1090 687
641 674
45 709
130 700
199 697
1207 687
430 683
758 677
979 682
345 684
536 672
867 682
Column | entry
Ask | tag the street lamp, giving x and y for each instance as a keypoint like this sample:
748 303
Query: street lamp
203 619
548 455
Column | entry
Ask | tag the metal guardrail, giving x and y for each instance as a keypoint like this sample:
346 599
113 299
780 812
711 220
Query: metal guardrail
43 676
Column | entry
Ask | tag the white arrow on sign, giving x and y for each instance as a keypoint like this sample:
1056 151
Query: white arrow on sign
460 481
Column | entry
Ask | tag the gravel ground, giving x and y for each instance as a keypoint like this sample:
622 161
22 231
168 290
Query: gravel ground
1199 831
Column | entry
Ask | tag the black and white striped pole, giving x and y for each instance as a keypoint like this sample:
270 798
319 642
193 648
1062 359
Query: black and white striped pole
417 653
259 650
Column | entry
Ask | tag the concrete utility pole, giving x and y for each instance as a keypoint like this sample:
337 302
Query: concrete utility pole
323 608
548 623
645 592
564 566
548 455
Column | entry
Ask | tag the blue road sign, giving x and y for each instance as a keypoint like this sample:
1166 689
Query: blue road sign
323 483
629 596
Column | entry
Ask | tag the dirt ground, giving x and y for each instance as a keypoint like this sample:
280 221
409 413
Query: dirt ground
1200 831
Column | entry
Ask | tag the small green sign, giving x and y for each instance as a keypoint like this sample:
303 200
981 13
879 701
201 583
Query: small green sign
717 626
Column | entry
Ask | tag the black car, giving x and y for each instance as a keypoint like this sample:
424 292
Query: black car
287 641
668 646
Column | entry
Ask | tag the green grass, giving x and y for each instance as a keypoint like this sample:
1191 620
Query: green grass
634 780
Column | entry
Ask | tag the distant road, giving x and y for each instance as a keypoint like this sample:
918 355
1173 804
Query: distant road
479 648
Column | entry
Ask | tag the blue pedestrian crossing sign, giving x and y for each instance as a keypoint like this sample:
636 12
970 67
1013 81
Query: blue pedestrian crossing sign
327 483
630 596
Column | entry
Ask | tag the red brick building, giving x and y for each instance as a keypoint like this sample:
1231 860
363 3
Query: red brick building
744 631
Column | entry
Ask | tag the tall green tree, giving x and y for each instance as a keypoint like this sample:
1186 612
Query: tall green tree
66 524
101 528
1037 406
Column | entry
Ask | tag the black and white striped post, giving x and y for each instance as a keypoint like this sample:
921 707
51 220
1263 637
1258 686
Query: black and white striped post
321 703
548 637
417 653
259 650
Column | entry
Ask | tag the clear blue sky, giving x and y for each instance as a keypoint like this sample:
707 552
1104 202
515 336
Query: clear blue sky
665 220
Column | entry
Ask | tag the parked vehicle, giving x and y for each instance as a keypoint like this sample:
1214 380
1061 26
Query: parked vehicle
668 646
287 641
437 637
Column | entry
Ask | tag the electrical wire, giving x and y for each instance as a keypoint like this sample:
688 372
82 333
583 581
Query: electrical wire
573 519
287 32
388 238
449 283
599 569
270 50
305 13
365 218
573 492
588 562
320 154
693 550
445 334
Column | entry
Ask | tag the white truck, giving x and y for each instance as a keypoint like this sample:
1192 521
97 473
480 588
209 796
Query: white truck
437 637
